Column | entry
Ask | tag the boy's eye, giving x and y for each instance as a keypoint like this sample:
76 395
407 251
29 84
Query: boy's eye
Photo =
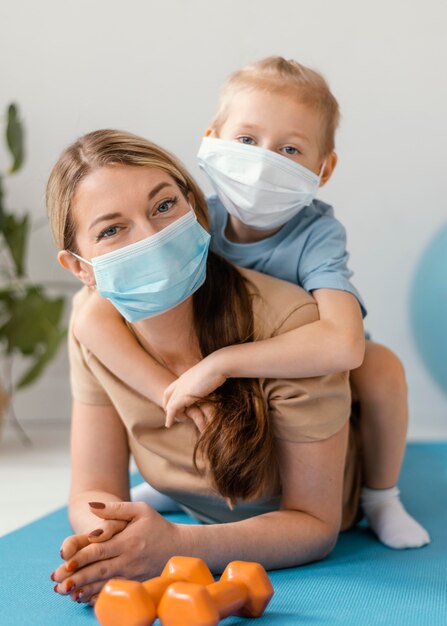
164 206
290 150
107 232
248 141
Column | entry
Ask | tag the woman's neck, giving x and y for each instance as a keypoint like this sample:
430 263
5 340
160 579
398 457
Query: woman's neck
170 337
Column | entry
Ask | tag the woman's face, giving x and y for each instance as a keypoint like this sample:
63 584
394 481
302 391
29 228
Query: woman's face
118 205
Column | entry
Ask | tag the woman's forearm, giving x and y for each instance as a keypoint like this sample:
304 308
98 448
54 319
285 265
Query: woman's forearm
276 540
81 518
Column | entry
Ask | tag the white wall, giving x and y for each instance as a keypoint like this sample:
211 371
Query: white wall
154 68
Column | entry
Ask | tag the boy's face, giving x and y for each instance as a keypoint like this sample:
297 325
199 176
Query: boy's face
276 122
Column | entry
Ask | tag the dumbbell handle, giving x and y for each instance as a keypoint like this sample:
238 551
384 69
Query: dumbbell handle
156 587
228 597
177 569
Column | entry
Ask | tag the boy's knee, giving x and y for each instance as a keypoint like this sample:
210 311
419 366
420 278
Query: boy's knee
393 371
382 374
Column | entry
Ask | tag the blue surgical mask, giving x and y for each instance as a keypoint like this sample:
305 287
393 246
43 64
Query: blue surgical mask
156 274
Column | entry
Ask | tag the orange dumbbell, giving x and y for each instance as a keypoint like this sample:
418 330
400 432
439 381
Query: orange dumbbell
244 589
130 603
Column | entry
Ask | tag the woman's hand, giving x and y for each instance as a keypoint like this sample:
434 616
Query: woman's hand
138 552
105 530
183 396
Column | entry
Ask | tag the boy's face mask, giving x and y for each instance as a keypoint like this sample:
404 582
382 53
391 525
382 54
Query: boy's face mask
156 274
262 189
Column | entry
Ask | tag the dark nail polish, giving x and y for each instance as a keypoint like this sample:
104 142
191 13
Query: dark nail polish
55 588
61 553
96 533
52 576
71 566
97 505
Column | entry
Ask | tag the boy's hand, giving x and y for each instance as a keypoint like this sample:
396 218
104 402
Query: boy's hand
184 395
201 414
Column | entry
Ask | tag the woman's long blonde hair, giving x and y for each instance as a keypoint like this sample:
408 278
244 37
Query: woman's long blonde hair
238 444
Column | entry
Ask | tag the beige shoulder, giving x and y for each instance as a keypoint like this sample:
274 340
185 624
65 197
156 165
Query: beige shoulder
90 309
89 297
278 305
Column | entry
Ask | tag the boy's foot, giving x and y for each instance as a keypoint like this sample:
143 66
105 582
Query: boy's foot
390 521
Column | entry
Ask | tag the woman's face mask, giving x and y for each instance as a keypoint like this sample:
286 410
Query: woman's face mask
156 274
262 189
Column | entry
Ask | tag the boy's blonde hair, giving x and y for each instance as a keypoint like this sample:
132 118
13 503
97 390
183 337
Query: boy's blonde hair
278 75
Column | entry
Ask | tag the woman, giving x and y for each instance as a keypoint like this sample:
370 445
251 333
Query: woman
272 461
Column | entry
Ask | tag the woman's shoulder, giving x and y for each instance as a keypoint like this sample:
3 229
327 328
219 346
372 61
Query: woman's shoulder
278 305
81 297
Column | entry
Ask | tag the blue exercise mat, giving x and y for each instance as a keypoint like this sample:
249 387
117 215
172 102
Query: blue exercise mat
361 583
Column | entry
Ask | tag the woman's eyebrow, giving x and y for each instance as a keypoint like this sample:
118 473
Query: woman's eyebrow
114 216
158 188
104 218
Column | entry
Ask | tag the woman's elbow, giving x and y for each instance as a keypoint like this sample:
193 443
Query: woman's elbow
327 536
329 542
324 540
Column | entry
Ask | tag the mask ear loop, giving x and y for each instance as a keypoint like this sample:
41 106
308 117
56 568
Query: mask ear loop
80 258
322 169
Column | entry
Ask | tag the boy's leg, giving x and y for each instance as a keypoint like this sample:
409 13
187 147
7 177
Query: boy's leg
158 501
380 388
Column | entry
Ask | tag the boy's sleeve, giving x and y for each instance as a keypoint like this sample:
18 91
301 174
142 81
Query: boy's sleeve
324 259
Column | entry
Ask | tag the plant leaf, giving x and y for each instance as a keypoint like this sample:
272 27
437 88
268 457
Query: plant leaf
2 210
14 138
15 232
42 360
31 319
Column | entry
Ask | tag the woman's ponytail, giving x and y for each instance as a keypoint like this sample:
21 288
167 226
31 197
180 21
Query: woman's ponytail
238 443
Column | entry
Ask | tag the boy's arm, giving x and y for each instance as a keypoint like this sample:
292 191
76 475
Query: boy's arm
100 328
334 343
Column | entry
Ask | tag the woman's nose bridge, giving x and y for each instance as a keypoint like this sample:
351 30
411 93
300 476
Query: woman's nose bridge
145 227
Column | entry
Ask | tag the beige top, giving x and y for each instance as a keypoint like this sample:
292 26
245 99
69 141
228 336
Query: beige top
302 410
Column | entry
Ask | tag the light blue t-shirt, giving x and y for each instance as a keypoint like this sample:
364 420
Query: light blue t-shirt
309 250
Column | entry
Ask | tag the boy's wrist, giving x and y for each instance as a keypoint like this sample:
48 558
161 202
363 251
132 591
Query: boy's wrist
222 362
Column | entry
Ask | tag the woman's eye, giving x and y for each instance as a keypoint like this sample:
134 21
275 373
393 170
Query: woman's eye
290 150
248 141
164 206
108 232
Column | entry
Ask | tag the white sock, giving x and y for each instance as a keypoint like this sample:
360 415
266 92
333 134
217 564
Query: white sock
390 521
158 501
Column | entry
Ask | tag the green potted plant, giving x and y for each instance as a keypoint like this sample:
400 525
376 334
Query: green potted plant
30 319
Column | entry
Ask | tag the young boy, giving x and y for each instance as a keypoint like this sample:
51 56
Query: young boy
267 151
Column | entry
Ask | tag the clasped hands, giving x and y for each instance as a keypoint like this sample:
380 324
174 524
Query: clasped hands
131 541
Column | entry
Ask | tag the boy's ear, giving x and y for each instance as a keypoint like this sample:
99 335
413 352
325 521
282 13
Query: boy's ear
329 167
76 267
210 132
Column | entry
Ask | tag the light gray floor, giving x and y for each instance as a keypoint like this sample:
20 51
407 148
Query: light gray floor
33 480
